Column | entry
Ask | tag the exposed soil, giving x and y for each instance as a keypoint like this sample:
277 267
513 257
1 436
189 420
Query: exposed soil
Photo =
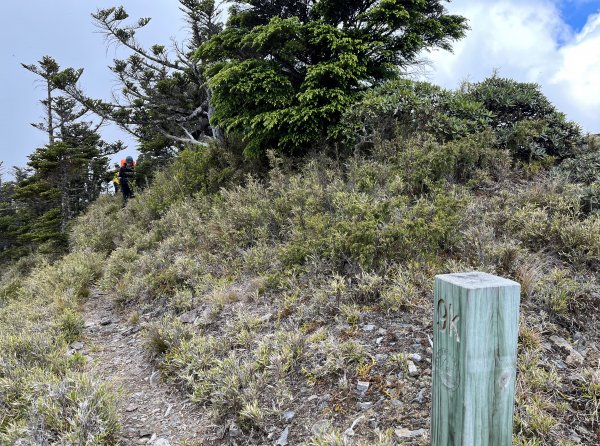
151 412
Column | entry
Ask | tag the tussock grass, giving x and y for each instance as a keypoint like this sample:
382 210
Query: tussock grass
44 399
280 272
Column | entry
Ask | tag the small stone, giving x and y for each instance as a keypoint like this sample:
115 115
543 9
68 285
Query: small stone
406 433
234 430
369 328
144 432
574 359
131 408
412 369
161 442
379 340
380 357
397 403
288 415
365 406
188 317
266 318
416 357
106 321
362 386
561 342
559 363
578 337
283 438
420 398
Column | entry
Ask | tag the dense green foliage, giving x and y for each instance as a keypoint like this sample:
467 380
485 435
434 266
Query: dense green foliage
283 72
62 178
407 107
520 117
524 119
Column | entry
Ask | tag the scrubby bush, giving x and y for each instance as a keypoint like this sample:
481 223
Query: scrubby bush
407 107
524 120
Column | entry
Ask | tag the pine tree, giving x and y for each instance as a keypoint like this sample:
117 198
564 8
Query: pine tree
164 99
8 219
65 175
284 71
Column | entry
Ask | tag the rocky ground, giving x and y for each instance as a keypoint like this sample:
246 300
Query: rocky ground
151 413
391 393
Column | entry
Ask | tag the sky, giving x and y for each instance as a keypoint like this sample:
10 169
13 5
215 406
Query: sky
555 43
63 29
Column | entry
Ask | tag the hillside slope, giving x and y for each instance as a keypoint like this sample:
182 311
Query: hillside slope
295 307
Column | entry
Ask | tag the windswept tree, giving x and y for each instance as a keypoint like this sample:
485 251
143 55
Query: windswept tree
283 72
163 100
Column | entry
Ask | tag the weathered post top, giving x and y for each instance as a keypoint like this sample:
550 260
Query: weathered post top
476 280
476 323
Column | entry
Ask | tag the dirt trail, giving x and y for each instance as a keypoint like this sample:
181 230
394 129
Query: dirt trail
150 411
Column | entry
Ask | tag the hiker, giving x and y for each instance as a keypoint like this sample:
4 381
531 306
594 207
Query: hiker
125 175
115 180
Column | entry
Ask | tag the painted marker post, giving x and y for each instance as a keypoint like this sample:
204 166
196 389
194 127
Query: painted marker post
475 331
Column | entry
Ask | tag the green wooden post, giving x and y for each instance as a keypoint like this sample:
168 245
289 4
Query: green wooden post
475 331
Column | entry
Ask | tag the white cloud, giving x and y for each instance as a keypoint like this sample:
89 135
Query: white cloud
529 42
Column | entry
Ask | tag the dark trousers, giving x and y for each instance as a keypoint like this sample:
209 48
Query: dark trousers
127 192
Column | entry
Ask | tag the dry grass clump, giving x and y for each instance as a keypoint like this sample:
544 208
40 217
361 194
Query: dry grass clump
43 397
277 277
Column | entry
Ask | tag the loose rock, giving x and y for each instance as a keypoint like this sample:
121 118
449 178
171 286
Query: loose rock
574 358
234 430
362 386
415 357
320 427
283 438
412 369
420 398
289 415
188 317
403 433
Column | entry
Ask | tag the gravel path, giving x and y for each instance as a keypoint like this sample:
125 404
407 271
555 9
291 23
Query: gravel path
151 412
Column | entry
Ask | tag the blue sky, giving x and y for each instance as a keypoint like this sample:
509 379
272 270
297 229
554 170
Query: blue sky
555 43
576 13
